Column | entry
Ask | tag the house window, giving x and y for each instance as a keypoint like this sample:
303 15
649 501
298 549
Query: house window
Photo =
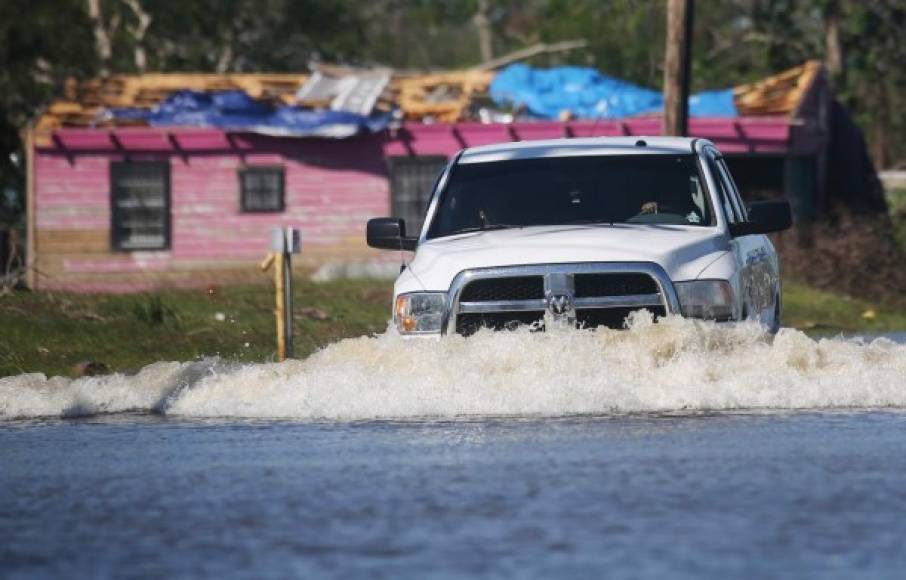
261 189
412 181
140 205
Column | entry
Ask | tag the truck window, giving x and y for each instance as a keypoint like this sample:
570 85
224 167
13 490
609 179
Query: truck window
634 189
731 212
732 189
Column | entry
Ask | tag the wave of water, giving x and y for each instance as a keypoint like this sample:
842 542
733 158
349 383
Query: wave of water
675 365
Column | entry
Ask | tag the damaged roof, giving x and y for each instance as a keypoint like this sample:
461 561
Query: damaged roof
780 94
445 97
84 103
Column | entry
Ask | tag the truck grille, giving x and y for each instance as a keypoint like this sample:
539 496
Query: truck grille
467 324
610 317
516 288
614 285
503 299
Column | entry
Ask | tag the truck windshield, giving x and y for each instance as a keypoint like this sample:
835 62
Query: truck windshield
635 189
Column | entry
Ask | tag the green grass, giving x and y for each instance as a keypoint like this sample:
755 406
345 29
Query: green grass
53 332
897 201
819 312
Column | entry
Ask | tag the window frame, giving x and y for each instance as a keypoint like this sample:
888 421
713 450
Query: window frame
246 169
393 162
116 237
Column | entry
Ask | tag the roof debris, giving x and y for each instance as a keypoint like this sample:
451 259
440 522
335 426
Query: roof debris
85 103
444 97
779 94
353 92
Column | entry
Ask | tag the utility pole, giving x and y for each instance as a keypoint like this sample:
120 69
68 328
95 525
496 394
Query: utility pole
677 65
483 23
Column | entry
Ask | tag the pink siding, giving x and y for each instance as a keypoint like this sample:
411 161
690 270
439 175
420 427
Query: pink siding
72 195
331 191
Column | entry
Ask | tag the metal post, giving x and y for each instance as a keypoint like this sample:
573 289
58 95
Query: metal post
31 241
280 308
288 294
284 243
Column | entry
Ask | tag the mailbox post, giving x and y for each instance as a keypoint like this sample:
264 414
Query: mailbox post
284 243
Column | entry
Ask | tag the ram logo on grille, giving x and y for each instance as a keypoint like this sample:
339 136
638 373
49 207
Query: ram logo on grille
560 304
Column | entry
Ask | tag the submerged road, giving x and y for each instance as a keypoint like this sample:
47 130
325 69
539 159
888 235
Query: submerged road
819 494
631 454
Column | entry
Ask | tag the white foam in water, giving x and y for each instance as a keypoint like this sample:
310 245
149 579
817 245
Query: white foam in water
675 365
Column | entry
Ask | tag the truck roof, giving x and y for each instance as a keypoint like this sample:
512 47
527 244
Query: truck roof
571 147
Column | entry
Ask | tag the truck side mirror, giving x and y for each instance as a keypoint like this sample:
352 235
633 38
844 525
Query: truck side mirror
389 234
765 217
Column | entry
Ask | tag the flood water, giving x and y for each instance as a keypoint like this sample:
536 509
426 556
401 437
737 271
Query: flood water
673 450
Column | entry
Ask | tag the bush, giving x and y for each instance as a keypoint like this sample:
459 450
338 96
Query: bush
858 255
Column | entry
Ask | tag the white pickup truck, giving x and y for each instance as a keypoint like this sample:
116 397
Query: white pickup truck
581 232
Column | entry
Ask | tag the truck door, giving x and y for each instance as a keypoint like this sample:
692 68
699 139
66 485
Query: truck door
759 272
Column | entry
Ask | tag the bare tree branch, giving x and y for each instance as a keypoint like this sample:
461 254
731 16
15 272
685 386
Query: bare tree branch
540 48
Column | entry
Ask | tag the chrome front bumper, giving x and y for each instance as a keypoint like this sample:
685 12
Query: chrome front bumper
559 278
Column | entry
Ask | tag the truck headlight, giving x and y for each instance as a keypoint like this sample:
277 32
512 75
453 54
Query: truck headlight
419 312
708 299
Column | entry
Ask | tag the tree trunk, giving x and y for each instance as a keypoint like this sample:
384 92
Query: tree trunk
833 48
225 59
101 37
879 131
676 67
138 33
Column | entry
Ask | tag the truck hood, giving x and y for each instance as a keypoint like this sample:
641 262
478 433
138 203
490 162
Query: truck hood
683 251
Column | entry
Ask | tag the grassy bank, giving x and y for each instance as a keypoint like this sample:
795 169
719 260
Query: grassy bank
818 312
897 201
52 333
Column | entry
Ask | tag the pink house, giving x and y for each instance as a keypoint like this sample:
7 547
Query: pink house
135 208
132 209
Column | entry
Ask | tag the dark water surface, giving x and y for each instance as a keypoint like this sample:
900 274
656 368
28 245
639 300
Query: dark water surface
818 494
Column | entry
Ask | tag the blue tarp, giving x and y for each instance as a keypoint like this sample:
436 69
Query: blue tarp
588 94
237 111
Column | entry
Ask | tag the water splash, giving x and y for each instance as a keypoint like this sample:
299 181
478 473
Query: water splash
675 365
